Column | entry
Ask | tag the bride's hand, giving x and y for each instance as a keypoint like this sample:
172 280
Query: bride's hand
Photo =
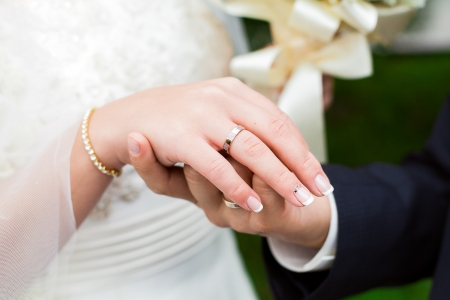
307 226
189 123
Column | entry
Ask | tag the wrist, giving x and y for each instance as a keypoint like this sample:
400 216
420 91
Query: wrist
317 223
104 139
301 238
312 224
316 218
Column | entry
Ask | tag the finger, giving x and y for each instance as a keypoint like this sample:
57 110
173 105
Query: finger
242 90
208 197
271 219
238 219
253 153
245 173
279 137
264 223
161 180
278 132
268 195
219 172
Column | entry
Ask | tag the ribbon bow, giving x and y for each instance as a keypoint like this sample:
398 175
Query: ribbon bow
310 37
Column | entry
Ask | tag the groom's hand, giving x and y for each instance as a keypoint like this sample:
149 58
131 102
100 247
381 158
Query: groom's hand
307 226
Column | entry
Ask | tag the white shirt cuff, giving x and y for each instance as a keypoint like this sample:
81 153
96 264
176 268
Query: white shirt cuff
304 259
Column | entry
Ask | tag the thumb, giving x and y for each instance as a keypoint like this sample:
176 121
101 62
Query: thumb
161 180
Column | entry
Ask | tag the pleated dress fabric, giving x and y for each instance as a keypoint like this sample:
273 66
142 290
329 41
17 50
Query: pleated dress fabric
68 56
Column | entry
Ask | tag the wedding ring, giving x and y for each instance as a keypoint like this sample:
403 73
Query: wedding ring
236 130
230 204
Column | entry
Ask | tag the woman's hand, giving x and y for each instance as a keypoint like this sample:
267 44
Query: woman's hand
306 226
189 123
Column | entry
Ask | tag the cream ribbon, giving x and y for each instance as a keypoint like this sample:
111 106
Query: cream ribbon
319 19
301 74
311 38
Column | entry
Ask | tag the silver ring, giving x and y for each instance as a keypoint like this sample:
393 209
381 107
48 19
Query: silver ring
230 204
236 130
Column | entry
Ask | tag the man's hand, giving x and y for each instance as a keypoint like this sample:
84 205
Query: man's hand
307 226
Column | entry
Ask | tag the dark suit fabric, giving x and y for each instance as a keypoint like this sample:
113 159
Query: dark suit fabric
393 226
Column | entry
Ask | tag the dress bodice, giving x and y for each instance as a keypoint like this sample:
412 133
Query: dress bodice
58 55
67 56
74 54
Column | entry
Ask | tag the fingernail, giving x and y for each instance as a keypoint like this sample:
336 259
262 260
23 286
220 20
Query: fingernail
303 195
323 185
133 147
254 204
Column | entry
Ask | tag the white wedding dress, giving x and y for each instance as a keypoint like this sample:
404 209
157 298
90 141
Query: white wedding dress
57 59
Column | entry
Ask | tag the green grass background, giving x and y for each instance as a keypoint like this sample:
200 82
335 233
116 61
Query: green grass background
381 118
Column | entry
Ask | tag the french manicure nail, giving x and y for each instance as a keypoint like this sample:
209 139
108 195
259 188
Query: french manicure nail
323 185
254 204
133 147
303 195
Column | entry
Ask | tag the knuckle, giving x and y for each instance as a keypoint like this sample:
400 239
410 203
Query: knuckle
213 91
217 166
192 175
140 168
262 188
260 227
279 128
231 81
140 164
259 182
283 116
283 176
309 161
237 191
253 147
157 189
238 226
216 221
183 140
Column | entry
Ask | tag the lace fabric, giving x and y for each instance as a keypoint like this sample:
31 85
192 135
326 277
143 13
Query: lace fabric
58 58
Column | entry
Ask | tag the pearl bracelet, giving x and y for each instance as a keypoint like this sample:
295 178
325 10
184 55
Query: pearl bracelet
90 150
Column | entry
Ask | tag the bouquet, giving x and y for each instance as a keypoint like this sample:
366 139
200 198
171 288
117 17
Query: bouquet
311 38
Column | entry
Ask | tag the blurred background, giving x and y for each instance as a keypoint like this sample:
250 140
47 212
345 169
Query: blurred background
381 118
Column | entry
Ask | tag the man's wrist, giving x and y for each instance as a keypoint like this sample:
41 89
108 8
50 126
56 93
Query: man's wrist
313 226
299 258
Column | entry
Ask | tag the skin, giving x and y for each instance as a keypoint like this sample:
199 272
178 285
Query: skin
306 226
189 123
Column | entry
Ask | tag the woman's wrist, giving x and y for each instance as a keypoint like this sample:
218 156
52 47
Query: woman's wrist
106 139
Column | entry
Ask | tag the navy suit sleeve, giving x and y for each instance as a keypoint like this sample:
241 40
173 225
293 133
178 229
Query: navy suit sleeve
391 224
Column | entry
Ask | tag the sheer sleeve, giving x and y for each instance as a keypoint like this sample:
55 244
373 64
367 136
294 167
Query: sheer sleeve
36 217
